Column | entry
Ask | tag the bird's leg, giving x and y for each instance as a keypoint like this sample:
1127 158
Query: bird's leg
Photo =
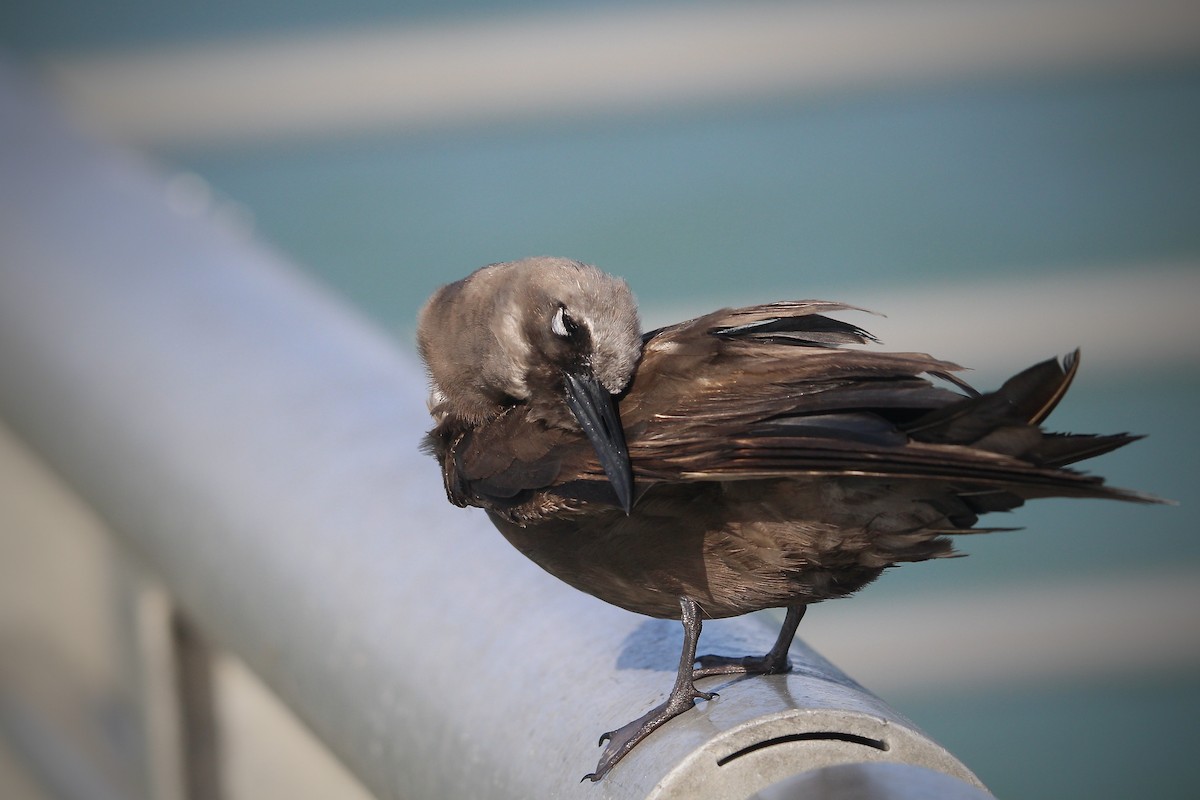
683 696
773 663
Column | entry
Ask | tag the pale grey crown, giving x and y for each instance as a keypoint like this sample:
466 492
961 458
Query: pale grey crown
480 336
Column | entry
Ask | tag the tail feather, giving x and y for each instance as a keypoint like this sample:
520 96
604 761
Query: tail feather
1044 396
1025 399
845 412
1061 449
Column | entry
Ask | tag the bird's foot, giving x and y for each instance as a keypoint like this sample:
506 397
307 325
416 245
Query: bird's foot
770 664
625 738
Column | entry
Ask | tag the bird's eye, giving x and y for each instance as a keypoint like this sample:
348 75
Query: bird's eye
562 324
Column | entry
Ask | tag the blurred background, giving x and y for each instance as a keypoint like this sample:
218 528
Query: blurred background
1004 180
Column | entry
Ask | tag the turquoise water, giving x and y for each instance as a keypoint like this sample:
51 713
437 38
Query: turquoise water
1094 739
827 199
116 24
820 197
796 200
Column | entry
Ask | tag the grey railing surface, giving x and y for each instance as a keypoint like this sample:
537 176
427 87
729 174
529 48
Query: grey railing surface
254 443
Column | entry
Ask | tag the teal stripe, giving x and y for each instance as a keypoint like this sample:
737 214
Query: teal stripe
1099 740
807 199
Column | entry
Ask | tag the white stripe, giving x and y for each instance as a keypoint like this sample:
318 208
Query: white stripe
600 62
1140 316
1054 630
1137 316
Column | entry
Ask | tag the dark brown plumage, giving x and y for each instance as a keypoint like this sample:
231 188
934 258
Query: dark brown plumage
751 458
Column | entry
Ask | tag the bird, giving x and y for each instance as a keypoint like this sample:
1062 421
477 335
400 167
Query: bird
767 456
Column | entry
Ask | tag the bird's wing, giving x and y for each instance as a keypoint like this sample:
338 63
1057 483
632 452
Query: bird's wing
509 463
770 392
773 391
514 456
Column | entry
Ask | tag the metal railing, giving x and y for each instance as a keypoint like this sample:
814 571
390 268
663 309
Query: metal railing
255 445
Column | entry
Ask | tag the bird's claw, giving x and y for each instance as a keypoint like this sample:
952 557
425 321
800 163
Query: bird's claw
623 739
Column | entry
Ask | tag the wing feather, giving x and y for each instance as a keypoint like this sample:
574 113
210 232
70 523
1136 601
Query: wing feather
780 391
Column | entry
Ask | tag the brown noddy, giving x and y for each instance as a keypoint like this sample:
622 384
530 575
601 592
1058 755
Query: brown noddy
750 458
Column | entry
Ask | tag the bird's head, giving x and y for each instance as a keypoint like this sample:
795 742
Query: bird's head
557 335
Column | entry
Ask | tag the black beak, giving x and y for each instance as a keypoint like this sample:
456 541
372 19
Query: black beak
596 410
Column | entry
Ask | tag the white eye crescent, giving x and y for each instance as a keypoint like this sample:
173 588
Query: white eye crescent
559 323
